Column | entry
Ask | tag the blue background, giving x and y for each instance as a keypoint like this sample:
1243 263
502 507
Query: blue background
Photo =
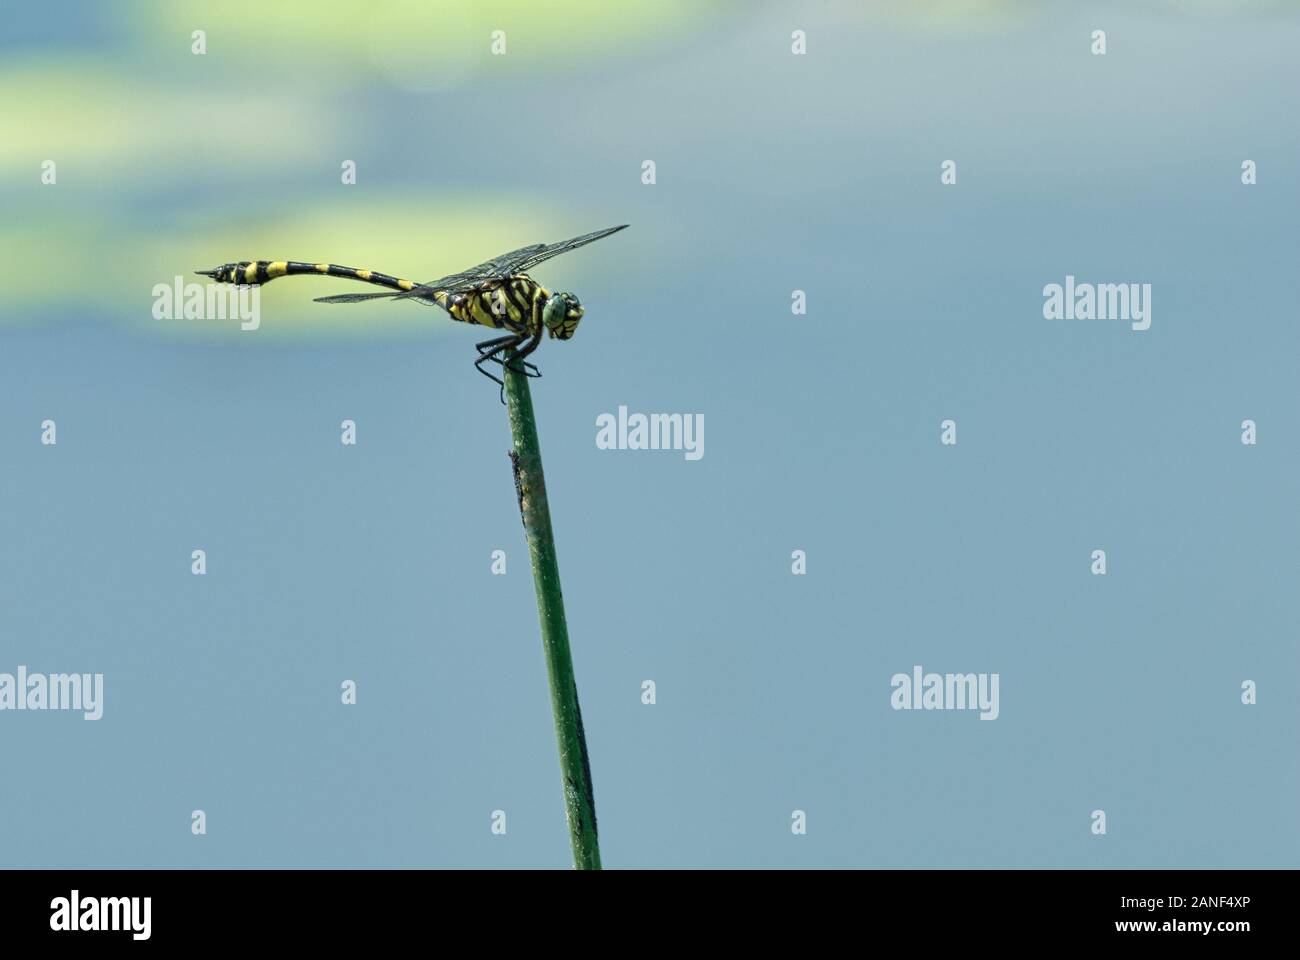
774 173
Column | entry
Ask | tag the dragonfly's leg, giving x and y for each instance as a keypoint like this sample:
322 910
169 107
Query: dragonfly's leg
488 351
485 349
485 357
527 348
497 380
496 342
496 358
529 370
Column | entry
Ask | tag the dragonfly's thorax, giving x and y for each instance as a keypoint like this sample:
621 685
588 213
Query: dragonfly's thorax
515 303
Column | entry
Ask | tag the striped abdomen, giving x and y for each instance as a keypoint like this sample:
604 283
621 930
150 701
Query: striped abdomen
264 271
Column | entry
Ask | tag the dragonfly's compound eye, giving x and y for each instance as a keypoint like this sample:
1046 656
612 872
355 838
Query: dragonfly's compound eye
561 315
568 324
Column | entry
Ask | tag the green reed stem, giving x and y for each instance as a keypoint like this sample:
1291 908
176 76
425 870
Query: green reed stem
530 485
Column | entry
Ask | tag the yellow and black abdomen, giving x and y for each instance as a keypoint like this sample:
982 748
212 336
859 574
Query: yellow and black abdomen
264 271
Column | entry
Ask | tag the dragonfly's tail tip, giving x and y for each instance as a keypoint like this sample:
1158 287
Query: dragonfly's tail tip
206 273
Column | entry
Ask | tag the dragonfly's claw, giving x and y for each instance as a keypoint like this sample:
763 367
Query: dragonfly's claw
528 369
493 349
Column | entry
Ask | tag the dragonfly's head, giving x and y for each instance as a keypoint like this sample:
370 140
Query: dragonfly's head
226 273
561 315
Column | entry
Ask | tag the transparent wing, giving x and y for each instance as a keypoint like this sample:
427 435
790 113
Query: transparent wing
523 260
509 264
355 297
483 276
421 293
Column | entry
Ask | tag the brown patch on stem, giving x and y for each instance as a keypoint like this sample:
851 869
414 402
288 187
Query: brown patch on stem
519 486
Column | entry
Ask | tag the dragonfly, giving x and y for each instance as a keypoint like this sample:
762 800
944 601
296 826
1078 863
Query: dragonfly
498 294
